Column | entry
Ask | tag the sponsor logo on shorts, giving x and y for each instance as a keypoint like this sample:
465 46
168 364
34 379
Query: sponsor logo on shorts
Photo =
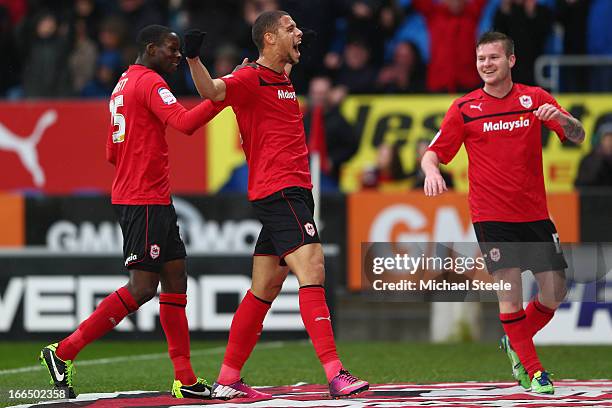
310 229
495 254
154 252
130 258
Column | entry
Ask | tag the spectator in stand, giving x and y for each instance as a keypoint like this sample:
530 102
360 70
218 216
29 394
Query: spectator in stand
323 116
226 59
319 16
356 73
596 167
250 10
82 59
137 14
88 12
452 26
405 74
214 18
362 19
388 167
17 10
110 62
108 70
599 42
529 24
573 15
45 74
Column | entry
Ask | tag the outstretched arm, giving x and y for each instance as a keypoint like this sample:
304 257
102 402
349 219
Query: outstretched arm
571 126
188 121
434 182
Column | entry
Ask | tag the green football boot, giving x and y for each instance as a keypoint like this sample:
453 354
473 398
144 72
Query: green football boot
61 371
518 371
200 389
541 383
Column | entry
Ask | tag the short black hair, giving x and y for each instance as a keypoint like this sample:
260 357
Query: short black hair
266 22
496 36
151 34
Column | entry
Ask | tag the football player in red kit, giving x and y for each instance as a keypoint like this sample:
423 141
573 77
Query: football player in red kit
279 189
141 106
501 128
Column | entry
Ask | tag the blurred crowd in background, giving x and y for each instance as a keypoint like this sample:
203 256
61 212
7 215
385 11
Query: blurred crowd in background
78 48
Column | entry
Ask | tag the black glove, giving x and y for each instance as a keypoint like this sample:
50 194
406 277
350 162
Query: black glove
193 42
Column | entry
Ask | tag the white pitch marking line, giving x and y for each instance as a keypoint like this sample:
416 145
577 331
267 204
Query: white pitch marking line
140 357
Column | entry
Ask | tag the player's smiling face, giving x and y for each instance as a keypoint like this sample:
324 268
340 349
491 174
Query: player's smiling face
288 38
493 64
168 54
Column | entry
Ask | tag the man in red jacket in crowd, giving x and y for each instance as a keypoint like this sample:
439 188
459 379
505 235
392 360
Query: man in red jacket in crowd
452 26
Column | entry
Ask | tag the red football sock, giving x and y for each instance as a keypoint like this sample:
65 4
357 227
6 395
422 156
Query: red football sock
317 320
107 315
174 322
244 333
538 316
516 327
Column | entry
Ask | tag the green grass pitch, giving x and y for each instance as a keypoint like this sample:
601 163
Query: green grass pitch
145 366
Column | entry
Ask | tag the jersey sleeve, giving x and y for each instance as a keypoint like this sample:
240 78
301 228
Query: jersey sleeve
111 148
553 125
160 100
450 137
240 86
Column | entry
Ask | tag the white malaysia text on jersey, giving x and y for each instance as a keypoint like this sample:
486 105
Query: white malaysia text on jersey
505 125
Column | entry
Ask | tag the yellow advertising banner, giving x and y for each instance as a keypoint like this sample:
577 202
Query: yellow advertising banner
413 217
406 119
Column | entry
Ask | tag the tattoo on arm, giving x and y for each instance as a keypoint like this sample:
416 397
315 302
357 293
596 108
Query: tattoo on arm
573 130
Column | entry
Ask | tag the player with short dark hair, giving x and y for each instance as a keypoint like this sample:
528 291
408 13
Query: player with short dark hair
141 107
501 128
279 189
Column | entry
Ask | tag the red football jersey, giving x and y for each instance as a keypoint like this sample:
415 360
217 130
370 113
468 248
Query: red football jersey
141 106
271 129
503 140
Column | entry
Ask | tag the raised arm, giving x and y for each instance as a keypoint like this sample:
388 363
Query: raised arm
434 182
207 87
213 89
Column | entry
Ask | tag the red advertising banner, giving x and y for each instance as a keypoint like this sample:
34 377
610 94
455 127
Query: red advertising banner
58 147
